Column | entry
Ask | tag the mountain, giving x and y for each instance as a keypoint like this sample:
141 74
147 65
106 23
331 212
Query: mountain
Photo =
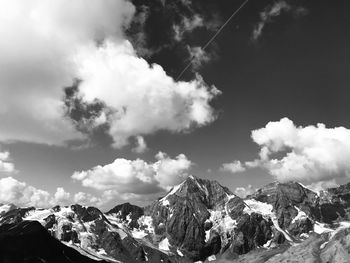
197 220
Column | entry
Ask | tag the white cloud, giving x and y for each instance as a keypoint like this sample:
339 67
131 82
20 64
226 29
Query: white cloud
19 193
131 87
275 10
311 153
136 177
40 39
61 197
141 145
244 191
187 25
234 167
5 164
23 195
322 185
87 199
199 56
48 44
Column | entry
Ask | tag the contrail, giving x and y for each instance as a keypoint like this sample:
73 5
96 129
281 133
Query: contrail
213 37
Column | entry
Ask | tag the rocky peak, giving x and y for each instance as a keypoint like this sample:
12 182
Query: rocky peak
128 213
196 190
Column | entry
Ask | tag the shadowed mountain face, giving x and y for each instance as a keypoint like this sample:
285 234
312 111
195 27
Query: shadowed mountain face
196 220
29 241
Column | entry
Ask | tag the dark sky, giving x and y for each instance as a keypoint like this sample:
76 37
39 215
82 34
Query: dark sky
298 68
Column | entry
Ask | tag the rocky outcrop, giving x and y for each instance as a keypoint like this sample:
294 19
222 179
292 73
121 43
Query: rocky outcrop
285 199
127 213
252 231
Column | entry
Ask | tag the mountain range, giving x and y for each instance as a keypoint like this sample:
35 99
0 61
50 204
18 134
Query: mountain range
196 221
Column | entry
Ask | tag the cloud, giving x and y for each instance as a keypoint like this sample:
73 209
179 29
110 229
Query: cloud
199 56
141 145
234 167
311 153
18 193
187 25
5 164
136 177
61 197
129 86
51 44
273 11
243 192
87 199
23 195
322 185
40 40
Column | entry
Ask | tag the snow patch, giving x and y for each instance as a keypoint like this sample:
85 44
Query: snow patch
258 207
300 216
164 244
321 228
179 253
212 258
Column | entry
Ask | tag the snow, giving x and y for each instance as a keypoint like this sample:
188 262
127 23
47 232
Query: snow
301 215
258 207
179 253
276 225
165 202
139 234
212 258
321 228
164 244
38 214
146 222
173 191
4 209
207 235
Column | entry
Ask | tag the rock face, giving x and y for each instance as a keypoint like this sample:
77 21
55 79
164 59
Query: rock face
89 231
28 241
286 199
197 220
128 213
181 215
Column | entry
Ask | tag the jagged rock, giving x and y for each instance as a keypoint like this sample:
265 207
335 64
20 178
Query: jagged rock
129 213
285 197
252 231
208 225
87 214
184 211
235 206
212 247
298 227
50 221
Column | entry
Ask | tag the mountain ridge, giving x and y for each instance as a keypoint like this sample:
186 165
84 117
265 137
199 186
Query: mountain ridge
199 220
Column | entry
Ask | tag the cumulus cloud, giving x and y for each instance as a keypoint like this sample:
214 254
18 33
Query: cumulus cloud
39 42
24 195
19 193
129 86
87 199
141 145
311 153
5 163
51 44
273 11
132 178
234 167
244 191
61 197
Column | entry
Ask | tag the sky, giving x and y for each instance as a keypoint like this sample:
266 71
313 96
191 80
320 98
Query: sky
92 109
